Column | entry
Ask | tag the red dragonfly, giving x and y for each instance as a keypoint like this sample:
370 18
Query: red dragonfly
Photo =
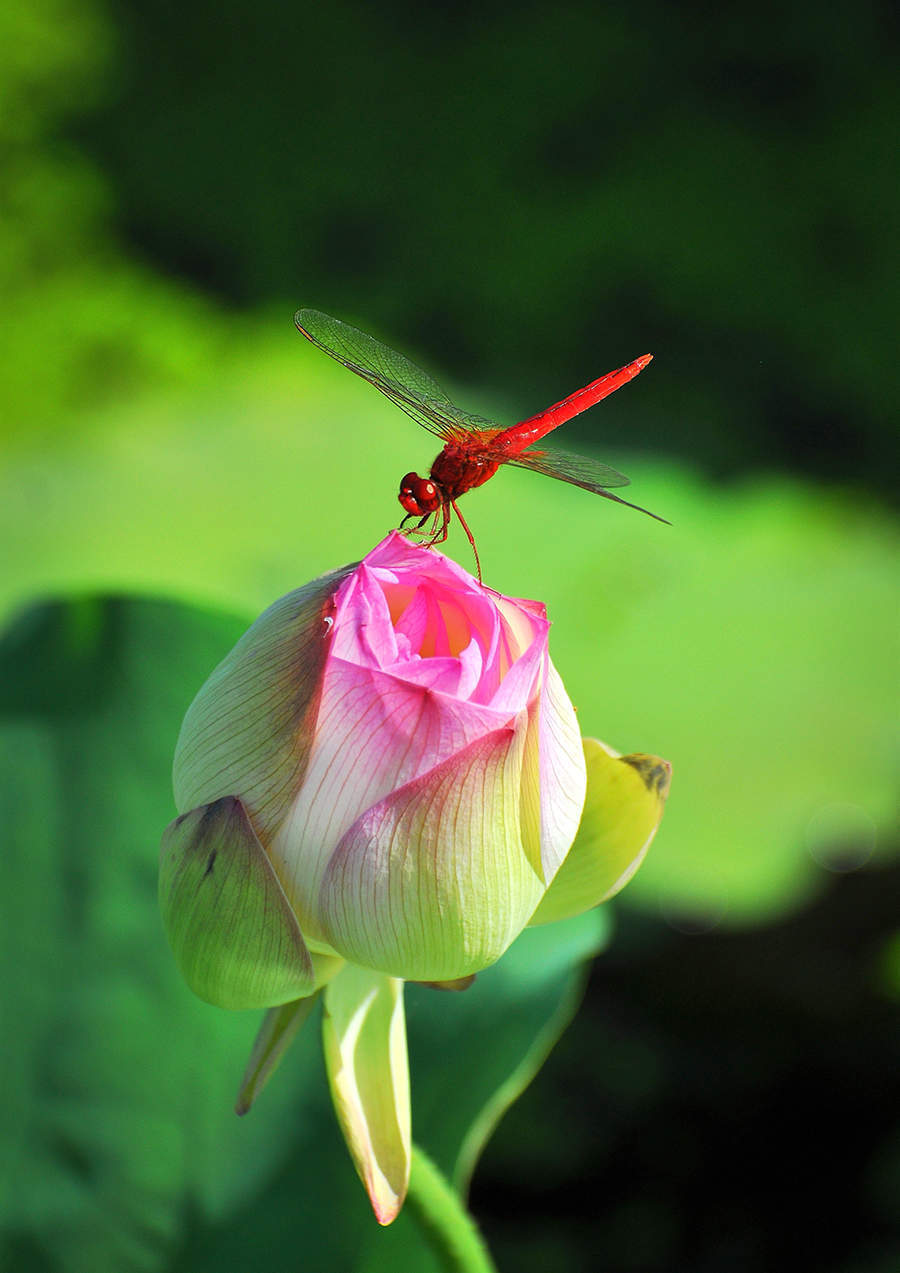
474 448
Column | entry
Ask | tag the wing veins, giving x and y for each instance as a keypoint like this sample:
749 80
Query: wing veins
577 470
392 374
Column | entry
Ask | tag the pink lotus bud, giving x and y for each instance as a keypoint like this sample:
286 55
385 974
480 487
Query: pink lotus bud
406 756
381 782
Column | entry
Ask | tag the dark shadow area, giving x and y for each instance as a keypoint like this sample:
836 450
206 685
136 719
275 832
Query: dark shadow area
734 1100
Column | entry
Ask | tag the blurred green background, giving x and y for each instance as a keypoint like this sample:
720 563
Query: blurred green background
519 197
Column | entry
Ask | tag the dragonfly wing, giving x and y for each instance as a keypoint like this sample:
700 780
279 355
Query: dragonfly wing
578 470
407 385
367 356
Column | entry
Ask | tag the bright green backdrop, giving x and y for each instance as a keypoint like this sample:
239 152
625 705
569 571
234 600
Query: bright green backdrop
520 201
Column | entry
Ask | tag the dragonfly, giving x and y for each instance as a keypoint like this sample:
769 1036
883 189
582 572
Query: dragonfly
473 447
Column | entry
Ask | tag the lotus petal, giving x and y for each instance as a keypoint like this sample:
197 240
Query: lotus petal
276 1034
433 882
230 926
364 1037
626 796
250 728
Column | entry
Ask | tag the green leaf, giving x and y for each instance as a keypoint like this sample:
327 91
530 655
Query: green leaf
116 1097
230 926
473 1053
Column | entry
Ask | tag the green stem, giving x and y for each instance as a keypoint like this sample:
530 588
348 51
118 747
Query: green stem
443 1218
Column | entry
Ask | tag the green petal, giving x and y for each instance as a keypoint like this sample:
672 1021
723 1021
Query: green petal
276 1034
455 984
230 926
553 777
364 1037
249 730
625 800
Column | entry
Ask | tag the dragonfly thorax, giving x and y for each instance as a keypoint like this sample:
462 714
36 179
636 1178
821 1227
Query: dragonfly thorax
419 495
458 469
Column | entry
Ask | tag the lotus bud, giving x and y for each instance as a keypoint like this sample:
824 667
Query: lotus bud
404 754
382 782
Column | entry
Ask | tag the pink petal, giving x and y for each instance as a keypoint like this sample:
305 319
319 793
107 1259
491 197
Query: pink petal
432 882
375 732
563 781
250 729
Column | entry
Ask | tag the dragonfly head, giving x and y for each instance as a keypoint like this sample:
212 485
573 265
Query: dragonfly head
419 496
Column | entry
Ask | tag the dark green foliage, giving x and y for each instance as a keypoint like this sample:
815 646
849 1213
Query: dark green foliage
737 1093
521 196
534 195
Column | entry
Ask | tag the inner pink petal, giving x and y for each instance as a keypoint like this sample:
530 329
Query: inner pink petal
457 615
434 639
413 620
490 677
505 653
442 674
516 689
364 632
478 614
439 619
398 594
471 663
423 618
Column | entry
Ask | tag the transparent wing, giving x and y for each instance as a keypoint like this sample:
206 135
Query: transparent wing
575 469
412 389
578 470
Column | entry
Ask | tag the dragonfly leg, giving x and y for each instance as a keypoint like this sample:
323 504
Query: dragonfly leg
417 529
469 536
438 533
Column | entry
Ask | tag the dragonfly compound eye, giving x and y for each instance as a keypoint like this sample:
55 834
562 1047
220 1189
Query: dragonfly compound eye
418 495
